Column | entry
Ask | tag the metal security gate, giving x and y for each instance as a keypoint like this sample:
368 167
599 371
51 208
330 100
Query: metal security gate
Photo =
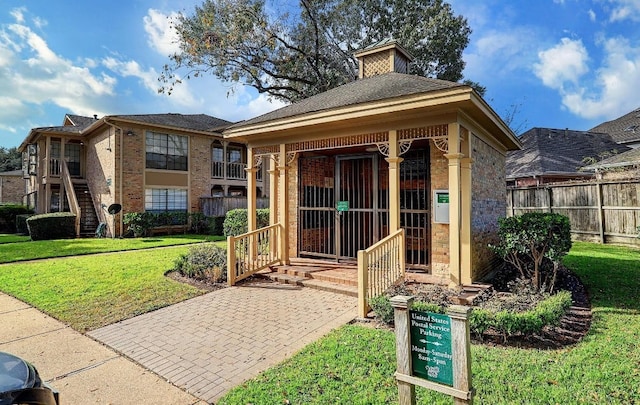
344 205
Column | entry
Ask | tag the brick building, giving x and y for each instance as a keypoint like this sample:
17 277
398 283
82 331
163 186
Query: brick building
12 187
391 150
154 162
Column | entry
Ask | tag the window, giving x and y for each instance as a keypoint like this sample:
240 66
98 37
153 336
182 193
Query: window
234 154
72 156
165 200
169 152
217 160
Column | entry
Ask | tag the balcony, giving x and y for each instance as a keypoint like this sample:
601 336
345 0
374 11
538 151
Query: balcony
231 171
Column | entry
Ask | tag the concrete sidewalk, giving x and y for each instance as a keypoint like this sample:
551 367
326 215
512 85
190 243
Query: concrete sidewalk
81 369
212 343
204 346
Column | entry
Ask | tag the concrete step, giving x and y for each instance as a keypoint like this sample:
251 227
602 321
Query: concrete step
331 276
312 283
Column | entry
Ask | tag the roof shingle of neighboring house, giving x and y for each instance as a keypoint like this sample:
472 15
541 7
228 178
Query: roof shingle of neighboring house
80 121
625 129
195 122
624 159
376 88
548 151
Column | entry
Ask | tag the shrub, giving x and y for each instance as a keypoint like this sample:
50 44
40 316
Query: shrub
203 262
525 241
140 223
21 224
58 225
509 323
382 308
217 225
235 222
8 213
199 223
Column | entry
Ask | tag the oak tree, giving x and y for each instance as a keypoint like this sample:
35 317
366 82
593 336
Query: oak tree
293 51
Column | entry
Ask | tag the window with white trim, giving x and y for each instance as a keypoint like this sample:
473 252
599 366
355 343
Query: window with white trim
165 200
168 152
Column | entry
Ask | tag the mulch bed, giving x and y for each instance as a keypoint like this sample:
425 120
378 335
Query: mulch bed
573 326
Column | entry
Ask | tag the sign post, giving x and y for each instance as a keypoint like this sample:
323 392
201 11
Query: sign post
432 351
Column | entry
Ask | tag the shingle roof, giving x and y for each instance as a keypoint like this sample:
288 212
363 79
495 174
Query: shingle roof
556 151
624 159
623 129
376 88
195 122
80 121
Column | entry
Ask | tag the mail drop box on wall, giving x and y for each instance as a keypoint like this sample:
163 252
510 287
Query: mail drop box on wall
441 206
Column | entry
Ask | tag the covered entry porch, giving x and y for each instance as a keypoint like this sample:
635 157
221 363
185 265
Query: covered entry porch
364 200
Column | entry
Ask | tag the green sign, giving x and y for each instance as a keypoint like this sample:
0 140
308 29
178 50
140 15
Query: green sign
431 355
443 198
342 206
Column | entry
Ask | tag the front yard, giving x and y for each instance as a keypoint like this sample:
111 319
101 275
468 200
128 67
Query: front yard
90 291
355 364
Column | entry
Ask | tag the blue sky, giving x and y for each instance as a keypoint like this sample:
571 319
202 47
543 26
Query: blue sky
563 63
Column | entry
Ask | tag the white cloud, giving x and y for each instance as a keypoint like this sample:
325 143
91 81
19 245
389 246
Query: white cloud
162 37
18 14
624 9
33 74
565 62
592 15
611 90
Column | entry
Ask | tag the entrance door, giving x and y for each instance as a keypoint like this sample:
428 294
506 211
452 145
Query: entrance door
357 217
344 205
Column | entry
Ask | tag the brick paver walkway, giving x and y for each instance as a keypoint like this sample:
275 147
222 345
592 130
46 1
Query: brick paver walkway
210 344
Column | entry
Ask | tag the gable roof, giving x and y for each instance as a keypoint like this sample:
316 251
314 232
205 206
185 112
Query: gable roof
376 88
194 122
81 126
624 129
79 121
624 159
548 151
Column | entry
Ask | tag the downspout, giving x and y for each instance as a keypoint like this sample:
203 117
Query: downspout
120 170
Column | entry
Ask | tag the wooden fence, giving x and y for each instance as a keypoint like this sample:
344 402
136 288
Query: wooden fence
599 211
218 206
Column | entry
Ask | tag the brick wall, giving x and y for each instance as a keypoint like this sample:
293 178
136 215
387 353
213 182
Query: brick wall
292 192
439 232
199 169
12 188
100 169
488 203
133 164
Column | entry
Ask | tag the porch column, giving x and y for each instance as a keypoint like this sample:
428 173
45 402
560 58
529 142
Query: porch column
283 206
394 182
454 156
273 190
466 193
63 189
251 191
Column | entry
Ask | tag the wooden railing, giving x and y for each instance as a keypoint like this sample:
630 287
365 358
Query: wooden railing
379 267
71 193
252 252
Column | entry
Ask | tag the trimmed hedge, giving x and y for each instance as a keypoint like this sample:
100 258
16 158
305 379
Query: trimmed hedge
58 225
21 224
506 323
8 213
235 222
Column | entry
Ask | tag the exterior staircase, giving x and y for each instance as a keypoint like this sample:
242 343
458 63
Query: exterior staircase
88 217
326 276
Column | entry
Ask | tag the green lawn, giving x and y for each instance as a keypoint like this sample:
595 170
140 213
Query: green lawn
30 250
355 364
96 290
11 238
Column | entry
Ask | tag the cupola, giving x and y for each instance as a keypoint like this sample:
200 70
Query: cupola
383 57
